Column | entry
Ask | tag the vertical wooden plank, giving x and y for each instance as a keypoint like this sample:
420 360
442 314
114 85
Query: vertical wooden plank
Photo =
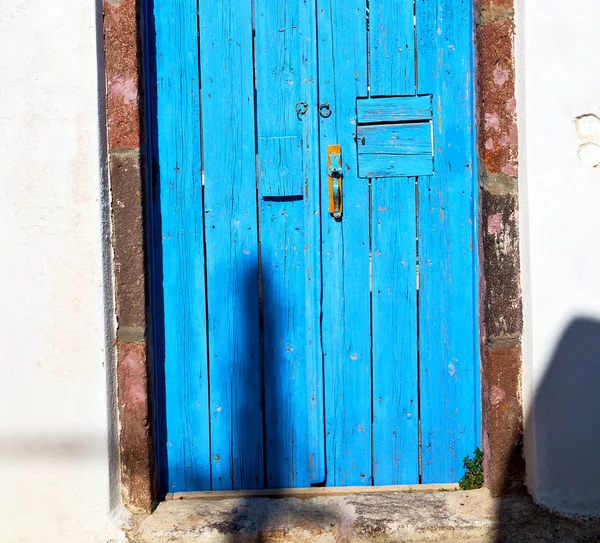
181 246
346 270
395 365
290 242
231 244
394 296
395 370
392 47
447 250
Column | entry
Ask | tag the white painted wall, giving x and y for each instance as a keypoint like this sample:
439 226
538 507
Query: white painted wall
558 52
55 449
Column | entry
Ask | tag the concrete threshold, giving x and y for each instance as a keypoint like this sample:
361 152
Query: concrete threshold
406 516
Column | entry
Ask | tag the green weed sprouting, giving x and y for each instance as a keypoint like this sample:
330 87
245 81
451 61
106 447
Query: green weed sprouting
473 477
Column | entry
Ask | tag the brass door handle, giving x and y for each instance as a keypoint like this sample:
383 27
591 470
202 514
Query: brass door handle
335 174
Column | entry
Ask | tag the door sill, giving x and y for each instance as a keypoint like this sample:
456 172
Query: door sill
306 493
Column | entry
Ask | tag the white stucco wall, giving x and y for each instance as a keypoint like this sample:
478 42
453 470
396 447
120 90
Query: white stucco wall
558 47
55 449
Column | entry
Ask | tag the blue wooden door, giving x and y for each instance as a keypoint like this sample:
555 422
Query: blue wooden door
314 259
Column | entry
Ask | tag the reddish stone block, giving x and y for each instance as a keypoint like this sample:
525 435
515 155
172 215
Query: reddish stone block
496 4
504 465
497 106
123 55
135 438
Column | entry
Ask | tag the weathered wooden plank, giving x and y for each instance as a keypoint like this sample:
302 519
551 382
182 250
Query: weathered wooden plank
391 108
395 139
290 243
180 243
304 493
280 166
447 250
392 40
376 165
231 244
346 296
393 205
395 395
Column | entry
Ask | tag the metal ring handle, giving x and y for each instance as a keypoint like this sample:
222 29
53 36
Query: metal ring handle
301 109
325 110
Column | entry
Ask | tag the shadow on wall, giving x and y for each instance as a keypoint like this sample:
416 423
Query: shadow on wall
563 429
565 421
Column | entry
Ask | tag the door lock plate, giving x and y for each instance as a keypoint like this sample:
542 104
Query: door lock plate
334 175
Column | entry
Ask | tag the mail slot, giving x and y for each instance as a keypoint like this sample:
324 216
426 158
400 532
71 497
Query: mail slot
394 136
